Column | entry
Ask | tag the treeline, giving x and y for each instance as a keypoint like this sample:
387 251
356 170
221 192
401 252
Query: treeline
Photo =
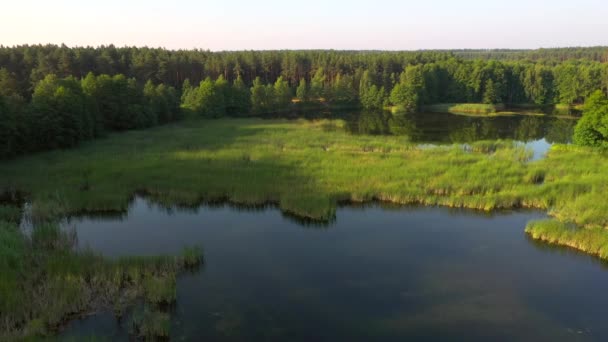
54 96
445 81
554 55
30 64
65 111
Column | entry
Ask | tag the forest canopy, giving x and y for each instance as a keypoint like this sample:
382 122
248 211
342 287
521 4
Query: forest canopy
54 96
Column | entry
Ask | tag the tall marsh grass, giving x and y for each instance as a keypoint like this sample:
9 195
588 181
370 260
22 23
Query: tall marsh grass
306 169
589 240
45 281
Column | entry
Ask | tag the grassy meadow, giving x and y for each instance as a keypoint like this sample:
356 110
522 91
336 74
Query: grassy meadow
307 168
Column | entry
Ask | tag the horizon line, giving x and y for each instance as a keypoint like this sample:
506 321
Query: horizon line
302 49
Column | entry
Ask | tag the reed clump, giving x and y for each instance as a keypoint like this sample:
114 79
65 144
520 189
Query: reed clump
46 281
192 256
161 290
150 324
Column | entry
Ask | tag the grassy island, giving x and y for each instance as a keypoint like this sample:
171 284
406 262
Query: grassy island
307 168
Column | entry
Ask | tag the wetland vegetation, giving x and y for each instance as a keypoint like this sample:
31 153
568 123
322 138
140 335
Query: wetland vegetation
307 167
84 130
46 281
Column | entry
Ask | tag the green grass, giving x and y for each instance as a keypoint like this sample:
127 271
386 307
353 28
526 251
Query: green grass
306 169
589 240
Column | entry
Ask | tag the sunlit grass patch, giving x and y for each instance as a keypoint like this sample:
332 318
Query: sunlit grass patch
589 240
466 108
306 167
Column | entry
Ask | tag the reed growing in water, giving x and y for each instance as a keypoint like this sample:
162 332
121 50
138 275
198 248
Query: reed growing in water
150 324
46 281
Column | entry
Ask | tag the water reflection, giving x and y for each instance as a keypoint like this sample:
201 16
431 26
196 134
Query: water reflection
450 128
379 273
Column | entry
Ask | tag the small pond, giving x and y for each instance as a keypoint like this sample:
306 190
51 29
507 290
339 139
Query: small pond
537 132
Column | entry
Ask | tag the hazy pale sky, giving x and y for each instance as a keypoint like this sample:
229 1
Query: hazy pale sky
307 24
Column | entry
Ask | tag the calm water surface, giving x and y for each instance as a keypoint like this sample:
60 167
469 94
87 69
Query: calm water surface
372 274
536 132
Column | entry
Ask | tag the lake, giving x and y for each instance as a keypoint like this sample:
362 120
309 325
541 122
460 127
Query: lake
374 273
537 132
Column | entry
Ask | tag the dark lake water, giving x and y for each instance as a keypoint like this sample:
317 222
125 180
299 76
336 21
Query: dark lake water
374 274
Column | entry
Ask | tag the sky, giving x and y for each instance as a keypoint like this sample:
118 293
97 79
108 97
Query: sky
307 24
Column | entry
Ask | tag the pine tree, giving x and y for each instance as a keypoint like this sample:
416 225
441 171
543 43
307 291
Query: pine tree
317 85
239 103
282 94
489 95
186 89
302 91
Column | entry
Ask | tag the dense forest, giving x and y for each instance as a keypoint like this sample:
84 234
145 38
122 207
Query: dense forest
54 96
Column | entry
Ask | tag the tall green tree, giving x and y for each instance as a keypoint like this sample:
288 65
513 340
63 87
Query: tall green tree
317 84
59 116
343 92
162 103
282 94
206 100
490 94
239 100
119 100
569 83
370 96
302 91
404 97
592 128
407 94
186 90
538 84
262 97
